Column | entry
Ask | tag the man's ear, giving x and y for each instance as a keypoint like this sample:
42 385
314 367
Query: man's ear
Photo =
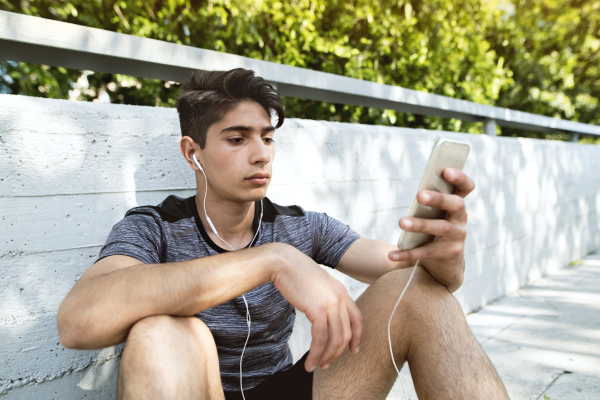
188 148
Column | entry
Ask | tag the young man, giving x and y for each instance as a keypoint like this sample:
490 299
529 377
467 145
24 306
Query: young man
168 284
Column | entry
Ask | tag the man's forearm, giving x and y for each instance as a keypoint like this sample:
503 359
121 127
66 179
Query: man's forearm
100 311
367 260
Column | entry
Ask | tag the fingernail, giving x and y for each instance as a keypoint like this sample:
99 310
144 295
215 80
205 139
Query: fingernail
451 174
408 223
426 197
311 369
395 256
357 350
325 367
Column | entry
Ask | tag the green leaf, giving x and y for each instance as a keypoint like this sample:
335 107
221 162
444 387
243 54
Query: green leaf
531 56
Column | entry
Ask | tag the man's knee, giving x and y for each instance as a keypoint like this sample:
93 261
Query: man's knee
150 330
166 355
162 329
424 293
163 341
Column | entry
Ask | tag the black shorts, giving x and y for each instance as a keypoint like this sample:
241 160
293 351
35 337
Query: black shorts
292 384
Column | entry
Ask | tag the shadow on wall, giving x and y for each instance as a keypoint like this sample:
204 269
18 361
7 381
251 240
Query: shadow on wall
69 172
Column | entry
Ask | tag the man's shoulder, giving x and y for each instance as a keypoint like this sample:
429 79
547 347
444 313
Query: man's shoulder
170 210
272 211
174 208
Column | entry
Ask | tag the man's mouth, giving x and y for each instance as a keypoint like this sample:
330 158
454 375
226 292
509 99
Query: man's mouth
259 178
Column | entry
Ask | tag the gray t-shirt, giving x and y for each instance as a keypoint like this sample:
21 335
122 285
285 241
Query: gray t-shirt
172 232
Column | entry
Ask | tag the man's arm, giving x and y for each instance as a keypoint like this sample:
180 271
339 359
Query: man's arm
118 291
366 260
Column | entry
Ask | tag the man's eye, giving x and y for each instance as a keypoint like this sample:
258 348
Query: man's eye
235 140
269 140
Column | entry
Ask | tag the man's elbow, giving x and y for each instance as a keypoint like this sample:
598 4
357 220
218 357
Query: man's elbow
456 282
70 332
68 340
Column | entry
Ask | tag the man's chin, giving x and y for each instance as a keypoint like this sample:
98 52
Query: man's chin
254 195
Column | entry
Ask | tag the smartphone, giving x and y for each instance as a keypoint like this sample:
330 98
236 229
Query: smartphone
446 153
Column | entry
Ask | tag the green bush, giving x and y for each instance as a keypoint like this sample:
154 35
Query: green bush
539 56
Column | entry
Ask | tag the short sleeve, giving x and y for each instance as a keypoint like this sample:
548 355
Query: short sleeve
136 235
330 238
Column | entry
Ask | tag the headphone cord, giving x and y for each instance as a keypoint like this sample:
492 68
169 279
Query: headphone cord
248 320
390 323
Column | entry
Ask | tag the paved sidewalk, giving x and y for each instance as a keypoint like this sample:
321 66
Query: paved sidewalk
545 338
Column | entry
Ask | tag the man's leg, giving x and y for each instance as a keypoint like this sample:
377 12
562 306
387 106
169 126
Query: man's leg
429 330
169 358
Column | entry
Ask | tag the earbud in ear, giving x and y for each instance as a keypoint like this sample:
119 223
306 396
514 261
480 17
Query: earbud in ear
197 163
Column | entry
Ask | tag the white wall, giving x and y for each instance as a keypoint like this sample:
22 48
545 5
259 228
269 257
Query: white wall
69 171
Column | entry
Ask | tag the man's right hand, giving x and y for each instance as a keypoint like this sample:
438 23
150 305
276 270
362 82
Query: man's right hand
118 291
335 318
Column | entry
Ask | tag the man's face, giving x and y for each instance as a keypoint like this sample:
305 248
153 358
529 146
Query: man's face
238 155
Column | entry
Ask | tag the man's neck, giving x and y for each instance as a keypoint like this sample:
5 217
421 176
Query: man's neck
232 220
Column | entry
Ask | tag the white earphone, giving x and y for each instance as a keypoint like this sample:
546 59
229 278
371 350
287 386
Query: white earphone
212 226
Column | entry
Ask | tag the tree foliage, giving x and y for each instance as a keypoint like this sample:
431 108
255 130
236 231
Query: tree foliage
539 56
553 49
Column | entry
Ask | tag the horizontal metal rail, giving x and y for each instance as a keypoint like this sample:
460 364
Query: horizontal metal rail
42 41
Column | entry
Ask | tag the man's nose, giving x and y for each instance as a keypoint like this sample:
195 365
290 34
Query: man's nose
260 153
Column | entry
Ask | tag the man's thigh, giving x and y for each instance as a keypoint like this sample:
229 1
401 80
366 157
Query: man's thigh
429 329
370 373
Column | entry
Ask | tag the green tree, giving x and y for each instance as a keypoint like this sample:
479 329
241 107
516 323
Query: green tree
466 49
553 49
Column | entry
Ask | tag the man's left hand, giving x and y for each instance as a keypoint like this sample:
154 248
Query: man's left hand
444 257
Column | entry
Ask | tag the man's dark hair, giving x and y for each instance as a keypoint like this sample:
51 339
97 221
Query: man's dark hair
209 95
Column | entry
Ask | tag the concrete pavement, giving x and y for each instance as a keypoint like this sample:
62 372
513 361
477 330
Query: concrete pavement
544 339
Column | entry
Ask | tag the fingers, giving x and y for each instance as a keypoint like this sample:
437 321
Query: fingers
448 202
332 332
464 184
319 340
442 250
335 338
454 204
356 321
346 331
436 227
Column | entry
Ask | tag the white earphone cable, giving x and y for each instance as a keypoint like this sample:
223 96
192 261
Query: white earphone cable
390 323
248 320
245 344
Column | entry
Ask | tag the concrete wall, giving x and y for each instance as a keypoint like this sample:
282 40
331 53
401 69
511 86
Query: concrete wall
69 171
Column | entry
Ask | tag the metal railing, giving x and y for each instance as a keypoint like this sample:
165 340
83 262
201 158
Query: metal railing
42 41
